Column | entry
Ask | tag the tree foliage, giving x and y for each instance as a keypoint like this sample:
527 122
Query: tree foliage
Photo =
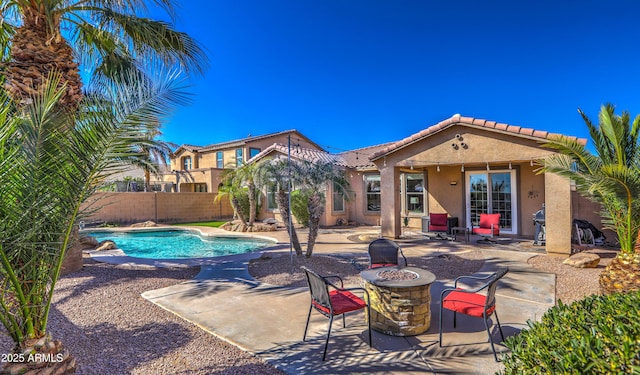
108 37
611 175
51 161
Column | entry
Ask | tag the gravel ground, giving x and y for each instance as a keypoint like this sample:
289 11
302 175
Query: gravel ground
277 270
109 328
573 283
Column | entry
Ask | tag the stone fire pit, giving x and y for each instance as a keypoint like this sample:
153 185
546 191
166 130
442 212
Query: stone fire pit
400 299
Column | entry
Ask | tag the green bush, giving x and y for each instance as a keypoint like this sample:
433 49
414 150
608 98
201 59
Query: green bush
299 207
596 335
243 201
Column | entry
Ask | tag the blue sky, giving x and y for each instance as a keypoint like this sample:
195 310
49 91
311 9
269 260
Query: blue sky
355 73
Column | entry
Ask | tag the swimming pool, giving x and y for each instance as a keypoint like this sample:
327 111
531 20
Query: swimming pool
179 244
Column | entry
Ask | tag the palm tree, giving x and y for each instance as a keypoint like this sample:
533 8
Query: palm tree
610 177
280 172
108 36
314 178
232 189
51 161
249 175
155 149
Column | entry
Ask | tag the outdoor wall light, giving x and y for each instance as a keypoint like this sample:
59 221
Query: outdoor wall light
438 167
462 168
453 183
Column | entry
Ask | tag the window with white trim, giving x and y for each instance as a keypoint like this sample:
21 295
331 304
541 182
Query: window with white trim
414 193
337 198
219 159
239 159
372 192
271 191
186 163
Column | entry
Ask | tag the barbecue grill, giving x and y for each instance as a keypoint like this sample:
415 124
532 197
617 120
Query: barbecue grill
539 222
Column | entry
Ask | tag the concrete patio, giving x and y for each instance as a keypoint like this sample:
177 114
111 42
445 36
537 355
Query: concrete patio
268 321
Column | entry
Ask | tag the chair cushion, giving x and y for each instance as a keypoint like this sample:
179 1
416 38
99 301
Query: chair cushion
467 303
343 301
438 220
487 219
378 265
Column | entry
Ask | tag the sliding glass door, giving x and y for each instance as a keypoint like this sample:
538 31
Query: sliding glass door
492 192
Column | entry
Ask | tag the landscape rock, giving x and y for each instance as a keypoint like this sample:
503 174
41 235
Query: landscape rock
145 224
106 245
236 226
88 241
583 260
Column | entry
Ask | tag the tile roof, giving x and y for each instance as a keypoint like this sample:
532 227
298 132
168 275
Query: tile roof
359 158
242 141
471 122
302 154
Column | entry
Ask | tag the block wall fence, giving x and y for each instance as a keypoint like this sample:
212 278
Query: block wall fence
160 207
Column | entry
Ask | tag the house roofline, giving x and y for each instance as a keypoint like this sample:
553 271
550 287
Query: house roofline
242 142
457 119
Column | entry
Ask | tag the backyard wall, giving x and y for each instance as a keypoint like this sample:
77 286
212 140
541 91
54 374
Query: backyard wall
160 207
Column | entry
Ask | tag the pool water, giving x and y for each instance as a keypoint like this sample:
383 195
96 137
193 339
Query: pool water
179 244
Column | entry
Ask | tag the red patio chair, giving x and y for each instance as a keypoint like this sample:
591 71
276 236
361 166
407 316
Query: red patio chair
438 223
384 253
471 302
488 227
337 301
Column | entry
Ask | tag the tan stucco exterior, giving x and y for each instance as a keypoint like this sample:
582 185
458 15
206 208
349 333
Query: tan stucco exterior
558 214
205 174
444 156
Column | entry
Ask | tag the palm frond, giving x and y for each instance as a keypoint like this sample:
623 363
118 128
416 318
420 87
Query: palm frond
150 39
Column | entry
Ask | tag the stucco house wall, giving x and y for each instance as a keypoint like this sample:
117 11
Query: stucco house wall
472 146
204 169
446 155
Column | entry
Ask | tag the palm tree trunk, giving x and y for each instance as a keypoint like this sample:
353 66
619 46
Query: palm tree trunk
238 212
35 54
283 203
316 210
147 179
252 203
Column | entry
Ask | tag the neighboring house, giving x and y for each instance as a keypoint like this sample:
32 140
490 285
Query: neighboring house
199 169
461 166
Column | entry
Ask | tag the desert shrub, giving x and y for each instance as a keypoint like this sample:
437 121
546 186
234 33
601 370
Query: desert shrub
595 335
299 207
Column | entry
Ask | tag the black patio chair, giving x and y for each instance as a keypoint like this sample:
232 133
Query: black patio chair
337 301
471 302
385 253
